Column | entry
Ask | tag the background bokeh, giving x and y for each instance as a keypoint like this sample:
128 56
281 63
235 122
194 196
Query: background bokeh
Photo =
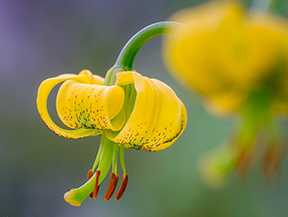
45 38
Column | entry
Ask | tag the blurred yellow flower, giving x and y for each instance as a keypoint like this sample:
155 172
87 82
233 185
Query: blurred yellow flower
137 112
225 54
238 62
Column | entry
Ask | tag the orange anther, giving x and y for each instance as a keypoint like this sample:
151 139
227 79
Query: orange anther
96 189
112 186
89 175
122 187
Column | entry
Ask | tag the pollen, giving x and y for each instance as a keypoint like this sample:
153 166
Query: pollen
122 187
112 186
97 186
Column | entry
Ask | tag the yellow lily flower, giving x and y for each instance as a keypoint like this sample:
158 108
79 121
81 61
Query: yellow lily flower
238 63
133 113
126 108
83 103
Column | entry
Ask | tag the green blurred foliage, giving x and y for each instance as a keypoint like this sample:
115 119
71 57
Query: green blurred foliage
41 39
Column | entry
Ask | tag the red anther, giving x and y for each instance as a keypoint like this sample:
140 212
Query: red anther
91 195
112 186
96 189
271 162
122 187
243 162
89 175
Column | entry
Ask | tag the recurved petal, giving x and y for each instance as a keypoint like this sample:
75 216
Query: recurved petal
91 79
170 121
42 96
158 116
226 104
141 117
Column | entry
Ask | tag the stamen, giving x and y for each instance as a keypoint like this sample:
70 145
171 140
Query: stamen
97 159
112 186
122 159
96 189
89 175
122 187
243 161
271 162
115 158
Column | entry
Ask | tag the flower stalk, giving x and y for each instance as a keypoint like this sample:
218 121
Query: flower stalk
127 55
267 5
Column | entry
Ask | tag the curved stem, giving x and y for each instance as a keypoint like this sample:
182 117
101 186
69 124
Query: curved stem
267 5
276 6
126 57
261 4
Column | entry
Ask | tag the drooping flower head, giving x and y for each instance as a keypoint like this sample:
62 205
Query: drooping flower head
237 61
126 108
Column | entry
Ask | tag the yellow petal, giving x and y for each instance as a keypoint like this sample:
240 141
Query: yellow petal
274 36
42 96
90 78
89 106
171 120
190 51
157 119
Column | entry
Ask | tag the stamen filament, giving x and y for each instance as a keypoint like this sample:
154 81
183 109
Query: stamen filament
115 158
122 159
77 196
97 159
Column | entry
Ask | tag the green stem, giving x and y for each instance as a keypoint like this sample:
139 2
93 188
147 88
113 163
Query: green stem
127 56
276 6
130 50
267 5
